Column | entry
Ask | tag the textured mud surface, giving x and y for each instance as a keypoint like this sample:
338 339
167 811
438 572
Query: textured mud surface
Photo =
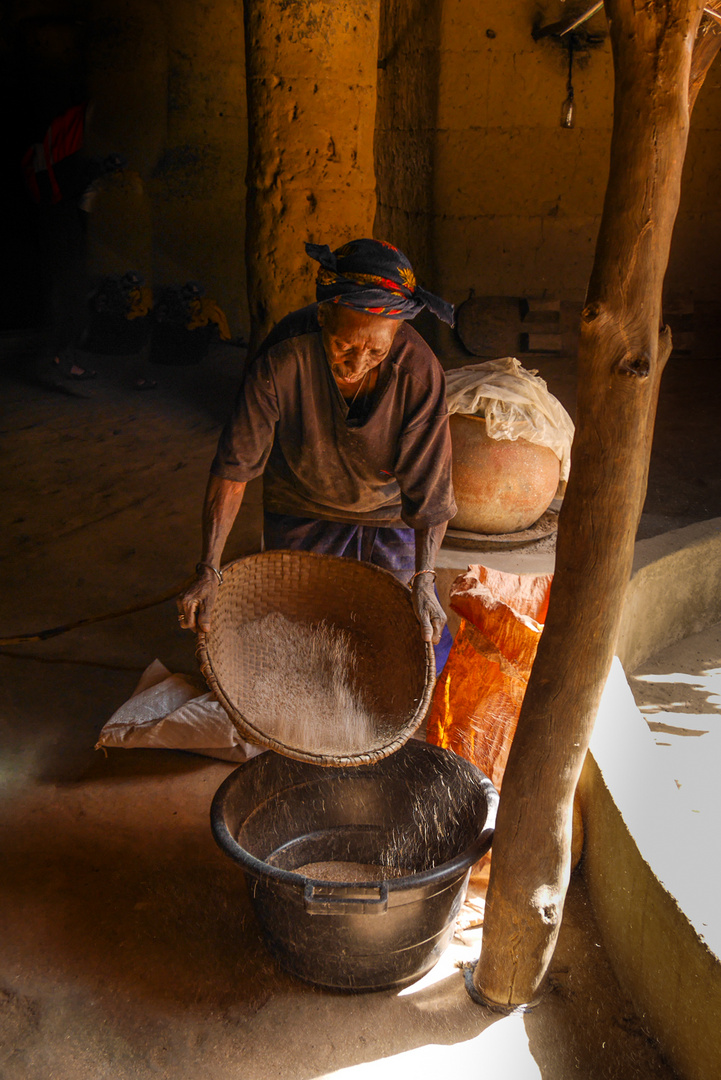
129 950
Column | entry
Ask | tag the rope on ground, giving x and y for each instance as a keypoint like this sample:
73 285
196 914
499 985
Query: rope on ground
43 635
70 660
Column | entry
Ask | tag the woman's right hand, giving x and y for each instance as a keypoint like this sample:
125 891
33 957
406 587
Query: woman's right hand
195 605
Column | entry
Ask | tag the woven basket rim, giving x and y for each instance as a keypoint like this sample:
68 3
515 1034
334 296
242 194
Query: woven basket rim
249 731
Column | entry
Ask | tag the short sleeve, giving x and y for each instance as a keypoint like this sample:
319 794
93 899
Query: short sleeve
423 459
247 438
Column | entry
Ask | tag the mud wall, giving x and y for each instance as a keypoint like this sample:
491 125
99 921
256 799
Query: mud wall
408 70
695 264
476 179
311 69
517 198
167 81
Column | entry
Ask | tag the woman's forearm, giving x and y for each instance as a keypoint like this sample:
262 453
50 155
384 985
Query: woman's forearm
426 605
428 541
220 509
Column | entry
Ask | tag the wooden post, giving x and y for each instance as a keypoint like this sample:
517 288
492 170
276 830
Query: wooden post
620 361
311 76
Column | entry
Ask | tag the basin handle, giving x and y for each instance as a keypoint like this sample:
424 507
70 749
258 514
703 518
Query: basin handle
346 899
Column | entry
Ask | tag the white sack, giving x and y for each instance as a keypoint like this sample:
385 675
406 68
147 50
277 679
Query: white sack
166 712
516 404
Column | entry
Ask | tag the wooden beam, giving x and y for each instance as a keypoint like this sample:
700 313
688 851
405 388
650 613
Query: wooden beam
621 357
706 47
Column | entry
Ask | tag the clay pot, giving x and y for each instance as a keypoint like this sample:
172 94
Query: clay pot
501 486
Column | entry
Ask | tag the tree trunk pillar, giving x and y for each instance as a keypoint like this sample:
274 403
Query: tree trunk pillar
311 81
621 357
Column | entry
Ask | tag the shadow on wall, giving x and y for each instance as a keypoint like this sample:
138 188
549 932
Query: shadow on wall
166 83
409 67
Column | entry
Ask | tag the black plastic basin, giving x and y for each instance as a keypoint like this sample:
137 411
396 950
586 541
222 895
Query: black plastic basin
423 808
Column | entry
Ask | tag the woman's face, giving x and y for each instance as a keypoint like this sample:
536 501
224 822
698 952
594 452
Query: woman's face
354 341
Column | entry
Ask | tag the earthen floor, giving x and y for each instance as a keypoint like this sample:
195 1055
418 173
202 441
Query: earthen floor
129 949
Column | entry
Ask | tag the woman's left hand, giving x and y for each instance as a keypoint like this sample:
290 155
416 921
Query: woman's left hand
428 609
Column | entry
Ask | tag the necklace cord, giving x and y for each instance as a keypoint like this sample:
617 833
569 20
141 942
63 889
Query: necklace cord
360 387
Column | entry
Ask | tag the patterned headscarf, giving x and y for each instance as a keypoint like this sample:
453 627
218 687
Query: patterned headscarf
373 276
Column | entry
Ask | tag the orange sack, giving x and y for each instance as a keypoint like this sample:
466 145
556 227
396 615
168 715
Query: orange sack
478 697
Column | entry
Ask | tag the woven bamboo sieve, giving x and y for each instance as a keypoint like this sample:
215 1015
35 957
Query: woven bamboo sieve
369 603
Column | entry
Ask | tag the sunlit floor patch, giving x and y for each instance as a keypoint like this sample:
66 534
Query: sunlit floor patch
501 1049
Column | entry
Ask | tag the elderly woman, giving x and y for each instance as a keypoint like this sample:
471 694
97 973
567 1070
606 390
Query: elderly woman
343 411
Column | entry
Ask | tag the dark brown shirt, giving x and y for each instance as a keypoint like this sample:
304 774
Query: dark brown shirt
386 463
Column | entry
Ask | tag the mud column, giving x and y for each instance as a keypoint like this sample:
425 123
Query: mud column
311 78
